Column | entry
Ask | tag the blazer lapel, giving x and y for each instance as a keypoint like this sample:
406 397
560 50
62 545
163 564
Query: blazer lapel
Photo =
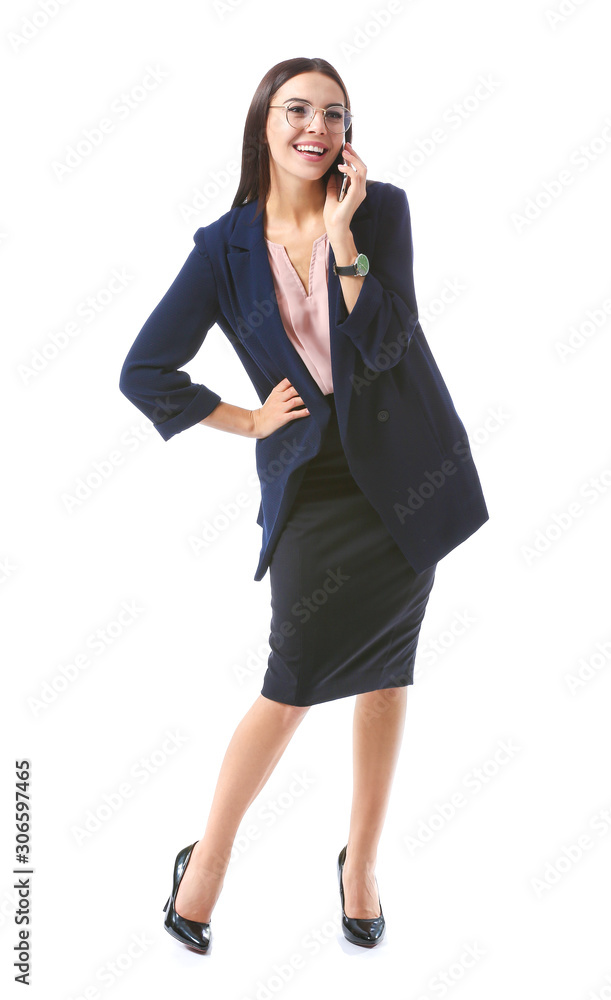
259 315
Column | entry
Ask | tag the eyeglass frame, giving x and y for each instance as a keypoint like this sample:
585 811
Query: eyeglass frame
314 110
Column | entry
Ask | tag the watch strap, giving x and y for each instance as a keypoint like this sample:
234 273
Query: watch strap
353 269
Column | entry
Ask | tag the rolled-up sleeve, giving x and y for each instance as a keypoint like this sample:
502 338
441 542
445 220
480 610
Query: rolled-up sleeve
385 316
172 335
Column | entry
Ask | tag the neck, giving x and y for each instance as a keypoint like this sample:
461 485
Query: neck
293 203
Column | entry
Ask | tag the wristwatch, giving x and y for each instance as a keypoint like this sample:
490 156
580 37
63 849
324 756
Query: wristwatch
360 266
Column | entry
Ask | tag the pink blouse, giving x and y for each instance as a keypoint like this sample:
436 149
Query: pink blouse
305 316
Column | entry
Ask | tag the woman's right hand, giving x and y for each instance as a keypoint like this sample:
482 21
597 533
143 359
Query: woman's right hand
278 409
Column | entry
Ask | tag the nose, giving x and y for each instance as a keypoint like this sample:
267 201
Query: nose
322 124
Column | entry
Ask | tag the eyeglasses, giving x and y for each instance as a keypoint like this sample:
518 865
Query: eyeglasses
337 117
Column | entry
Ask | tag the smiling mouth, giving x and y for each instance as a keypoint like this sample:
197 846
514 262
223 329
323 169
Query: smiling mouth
309 154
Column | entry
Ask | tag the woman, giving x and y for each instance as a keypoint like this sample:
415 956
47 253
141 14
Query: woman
366 475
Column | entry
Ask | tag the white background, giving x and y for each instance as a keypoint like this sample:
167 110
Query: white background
502 876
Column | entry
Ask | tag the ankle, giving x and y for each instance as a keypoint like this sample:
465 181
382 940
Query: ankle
362 865
207 865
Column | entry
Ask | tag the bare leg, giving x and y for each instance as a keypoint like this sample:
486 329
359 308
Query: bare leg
379 720
253 752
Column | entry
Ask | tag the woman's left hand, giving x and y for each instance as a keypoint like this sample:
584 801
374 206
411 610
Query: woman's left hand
337 214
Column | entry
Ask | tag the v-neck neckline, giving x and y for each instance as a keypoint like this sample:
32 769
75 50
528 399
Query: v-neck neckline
281 246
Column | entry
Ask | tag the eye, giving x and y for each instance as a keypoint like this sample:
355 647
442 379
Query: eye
299 109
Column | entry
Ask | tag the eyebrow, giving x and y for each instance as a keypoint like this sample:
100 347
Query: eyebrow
331 104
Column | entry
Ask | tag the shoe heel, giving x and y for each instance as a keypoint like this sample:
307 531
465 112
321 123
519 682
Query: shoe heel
166 905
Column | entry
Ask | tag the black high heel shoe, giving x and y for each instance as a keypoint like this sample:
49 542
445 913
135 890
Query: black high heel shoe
190 932
364 932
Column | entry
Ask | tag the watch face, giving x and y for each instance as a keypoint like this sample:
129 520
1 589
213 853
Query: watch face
362 264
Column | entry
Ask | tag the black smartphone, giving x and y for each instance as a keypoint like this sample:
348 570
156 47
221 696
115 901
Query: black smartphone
344 176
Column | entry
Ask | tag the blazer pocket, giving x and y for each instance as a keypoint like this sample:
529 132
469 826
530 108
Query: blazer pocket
434 403
434 429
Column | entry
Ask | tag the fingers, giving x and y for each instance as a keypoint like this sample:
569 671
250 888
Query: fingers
293 414
349 152
285 386
352 161
297 400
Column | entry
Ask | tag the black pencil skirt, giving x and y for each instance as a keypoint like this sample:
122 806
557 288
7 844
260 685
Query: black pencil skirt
347 605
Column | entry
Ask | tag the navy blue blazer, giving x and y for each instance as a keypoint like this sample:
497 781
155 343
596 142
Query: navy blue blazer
404 441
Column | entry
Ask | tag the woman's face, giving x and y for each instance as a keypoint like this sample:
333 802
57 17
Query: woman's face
319 90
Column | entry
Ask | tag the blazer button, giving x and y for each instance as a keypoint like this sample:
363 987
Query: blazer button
382 415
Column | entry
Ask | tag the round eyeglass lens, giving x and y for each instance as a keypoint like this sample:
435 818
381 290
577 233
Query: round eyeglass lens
337 118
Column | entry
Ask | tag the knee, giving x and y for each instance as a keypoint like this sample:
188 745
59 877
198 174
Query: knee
287 714
389 694
372 705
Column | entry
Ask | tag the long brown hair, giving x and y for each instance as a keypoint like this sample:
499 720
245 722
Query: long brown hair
255 175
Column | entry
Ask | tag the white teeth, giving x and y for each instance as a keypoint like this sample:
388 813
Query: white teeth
310 149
